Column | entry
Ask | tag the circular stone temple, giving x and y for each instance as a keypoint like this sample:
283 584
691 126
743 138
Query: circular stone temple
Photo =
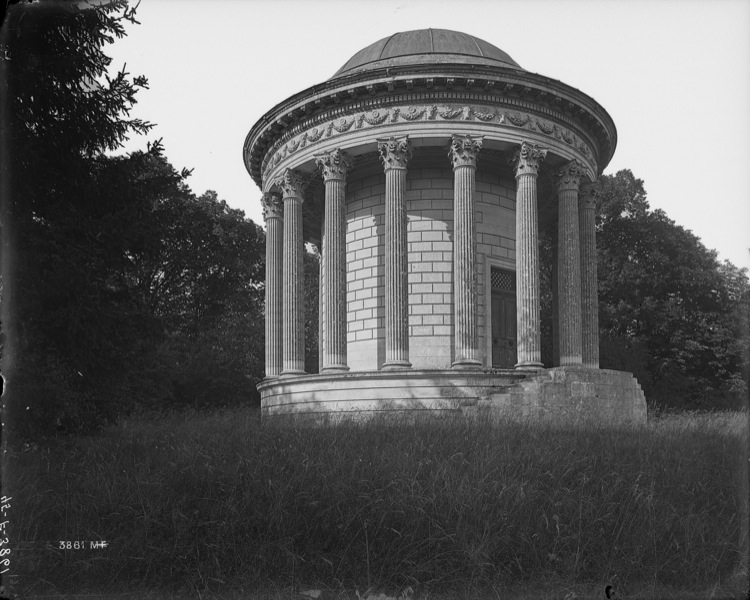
423 171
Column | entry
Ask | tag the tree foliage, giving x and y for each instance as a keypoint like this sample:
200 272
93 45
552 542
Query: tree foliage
667 306
121 288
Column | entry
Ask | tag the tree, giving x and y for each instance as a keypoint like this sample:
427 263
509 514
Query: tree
665 301
202 278
127 290
63 318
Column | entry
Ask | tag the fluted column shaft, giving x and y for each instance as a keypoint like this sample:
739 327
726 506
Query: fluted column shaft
527 162
569 265
395 154
274 256
334 166
463 154
321 298
589 279
294 276
555 315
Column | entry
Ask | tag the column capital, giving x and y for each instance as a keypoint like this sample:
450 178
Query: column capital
394 152
528 158
272 206
588 195
291 183
464 150
334 164
569 177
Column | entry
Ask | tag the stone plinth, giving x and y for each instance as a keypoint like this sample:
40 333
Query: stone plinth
562 394
374 391
571 395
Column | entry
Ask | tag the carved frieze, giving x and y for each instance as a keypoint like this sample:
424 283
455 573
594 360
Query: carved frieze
394 152
464 150
518 119
528 159
376 117
334 165
545 126
343 124
413 113
315 134
409 114
449 113
488 116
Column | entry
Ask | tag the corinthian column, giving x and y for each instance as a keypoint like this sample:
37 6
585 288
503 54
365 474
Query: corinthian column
589 280
463 154
527 161
334 166
293 301
274 224
569 264
395 153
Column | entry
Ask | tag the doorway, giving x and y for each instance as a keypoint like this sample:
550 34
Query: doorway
503 311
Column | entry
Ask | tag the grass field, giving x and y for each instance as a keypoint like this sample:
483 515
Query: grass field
222 506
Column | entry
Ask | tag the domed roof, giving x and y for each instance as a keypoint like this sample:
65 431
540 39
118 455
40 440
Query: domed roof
426 46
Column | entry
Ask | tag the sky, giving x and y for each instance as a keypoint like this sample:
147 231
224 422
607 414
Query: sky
673 74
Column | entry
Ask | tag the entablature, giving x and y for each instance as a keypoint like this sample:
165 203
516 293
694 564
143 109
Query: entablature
501 87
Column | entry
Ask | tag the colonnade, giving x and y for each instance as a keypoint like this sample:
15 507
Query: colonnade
576 265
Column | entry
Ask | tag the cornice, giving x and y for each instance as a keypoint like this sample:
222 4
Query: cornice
494 85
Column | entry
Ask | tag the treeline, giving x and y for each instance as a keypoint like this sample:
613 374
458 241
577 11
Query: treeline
123 290
669 310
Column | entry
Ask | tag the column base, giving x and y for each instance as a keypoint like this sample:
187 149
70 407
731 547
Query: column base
396 365
467 364
292 373
529 366
270 377
338 368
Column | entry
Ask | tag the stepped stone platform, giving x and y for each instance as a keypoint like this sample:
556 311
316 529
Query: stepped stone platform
563 394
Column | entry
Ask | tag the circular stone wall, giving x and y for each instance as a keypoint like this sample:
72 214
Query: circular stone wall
429 205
